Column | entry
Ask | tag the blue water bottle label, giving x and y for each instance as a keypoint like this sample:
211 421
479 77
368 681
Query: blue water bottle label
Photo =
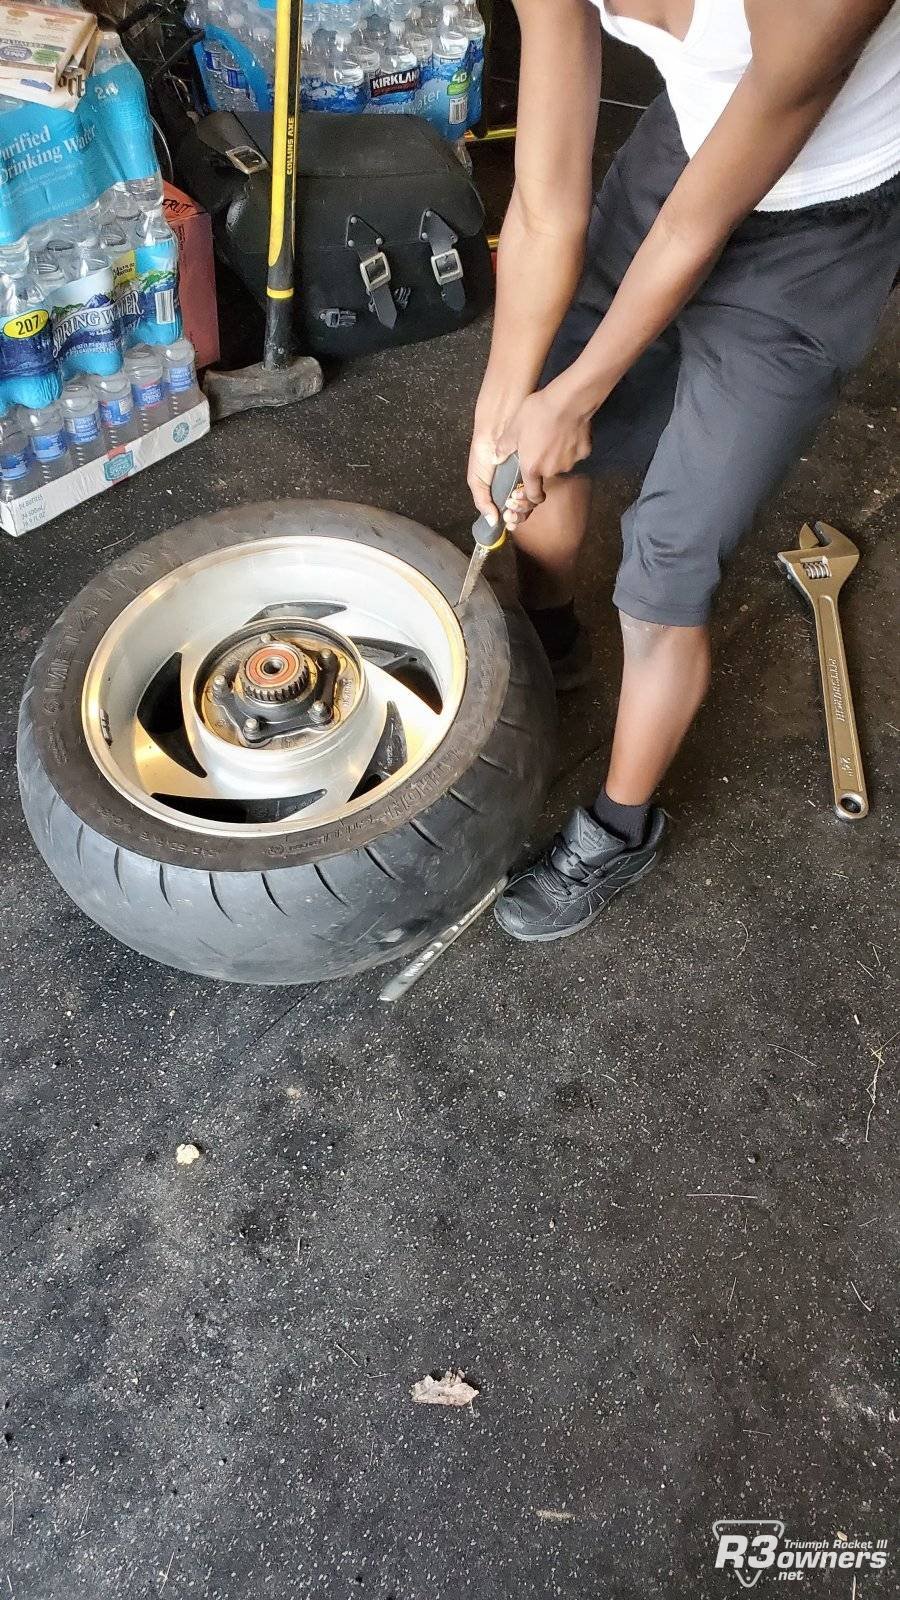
147 395
13 464
49 446
159 312
444 98
319 94
116 413
84 427
26 345
180 379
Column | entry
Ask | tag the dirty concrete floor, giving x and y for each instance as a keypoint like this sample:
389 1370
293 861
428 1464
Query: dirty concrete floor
641 1187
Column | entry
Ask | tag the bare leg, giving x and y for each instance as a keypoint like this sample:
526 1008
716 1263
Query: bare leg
664 679
549 542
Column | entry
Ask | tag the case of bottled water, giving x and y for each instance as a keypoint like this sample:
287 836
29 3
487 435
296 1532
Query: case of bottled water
96 377
407 57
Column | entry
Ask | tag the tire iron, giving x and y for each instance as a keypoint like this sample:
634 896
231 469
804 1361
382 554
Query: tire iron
507 477
400 985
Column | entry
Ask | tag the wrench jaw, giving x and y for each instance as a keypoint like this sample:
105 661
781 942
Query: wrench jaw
822 564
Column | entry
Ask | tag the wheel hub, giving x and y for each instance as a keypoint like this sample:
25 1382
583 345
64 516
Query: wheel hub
274 673
290 681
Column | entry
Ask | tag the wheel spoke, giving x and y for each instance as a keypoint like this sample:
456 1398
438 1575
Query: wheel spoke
159 774
420 723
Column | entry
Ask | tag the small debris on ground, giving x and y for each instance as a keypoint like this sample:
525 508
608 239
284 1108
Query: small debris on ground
450 1390
187 1154
548 1515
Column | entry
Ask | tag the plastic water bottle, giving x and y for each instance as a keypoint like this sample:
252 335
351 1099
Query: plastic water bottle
395 87
337 82
119 238
367 56
83 423
181 376
85 325
26 335
49 441
346 75
472 24
156 264
127 130
120 423
145 369
262 43
418 37
227 80
445 94
375 21
315 51
17 470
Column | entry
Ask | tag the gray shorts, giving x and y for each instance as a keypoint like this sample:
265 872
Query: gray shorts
717 409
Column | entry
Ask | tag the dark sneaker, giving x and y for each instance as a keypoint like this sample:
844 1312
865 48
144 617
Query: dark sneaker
581 872
575 669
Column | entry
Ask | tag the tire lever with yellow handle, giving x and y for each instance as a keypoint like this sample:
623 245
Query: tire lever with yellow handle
507 478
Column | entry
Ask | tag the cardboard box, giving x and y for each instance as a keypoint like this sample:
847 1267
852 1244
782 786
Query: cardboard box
196 272
32 510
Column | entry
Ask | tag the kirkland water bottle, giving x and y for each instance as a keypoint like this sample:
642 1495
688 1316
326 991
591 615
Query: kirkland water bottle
49 441
145 369
346 78
83 424
419 39
17 470
445 95
181 377
26 337
472 24
395 87
368 57
262 43
374 21
120 424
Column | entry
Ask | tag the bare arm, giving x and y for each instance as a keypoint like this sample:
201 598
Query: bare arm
802 54
542 240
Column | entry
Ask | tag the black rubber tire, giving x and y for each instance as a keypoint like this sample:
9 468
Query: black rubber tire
329 901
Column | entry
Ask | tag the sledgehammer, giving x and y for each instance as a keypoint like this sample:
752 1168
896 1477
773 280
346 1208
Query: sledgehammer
282 376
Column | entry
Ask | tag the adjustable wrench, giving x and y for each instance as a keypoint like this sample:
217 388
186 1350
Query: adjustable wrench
819 568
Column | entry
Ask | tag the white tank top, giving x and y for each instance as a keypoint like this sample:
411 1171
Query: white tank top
855 147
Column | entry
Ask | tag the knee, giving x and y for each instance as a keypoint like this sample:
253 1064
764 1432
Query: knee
641 639
659 641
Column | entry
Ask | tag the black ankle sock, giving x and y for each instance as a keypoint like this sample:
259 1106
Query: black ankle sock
557 628
628 823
